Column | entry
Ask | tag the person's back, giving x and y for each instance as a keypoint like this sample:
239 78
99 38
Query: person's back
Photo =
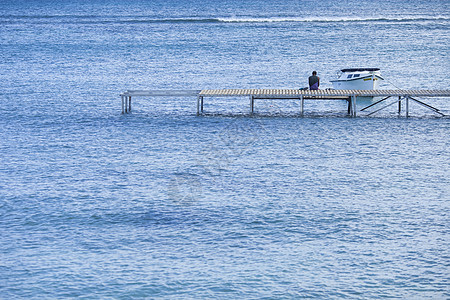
314 81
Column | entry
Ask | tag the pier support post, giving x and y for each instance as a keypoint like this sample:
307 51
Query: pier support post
198 105
407 106
201 104
354 106
252 104
123 101
129 104
399 105
302 103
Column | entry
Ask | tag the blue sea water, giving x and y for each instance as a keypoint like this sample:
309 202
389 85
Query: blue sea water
160 203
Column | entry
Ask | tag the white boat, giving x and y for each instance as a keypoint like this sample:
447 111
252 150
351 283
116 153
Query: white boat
358 79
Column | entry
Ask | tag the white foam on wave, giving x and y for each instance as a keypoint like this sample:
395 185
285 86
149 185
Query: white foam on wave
329 19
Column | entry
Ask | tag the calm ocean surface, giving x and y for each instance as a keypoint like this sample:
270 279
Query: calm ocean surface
160 203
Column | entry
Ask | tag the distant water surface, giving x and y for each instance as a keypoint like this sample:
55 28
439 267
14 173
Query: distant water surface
160 203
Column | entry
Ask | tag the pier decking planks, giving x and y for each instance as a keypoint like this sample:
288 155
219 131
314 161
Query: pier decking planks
329 93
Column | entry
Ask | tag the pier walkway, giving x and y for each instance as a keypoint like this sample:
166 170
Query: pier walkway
388 97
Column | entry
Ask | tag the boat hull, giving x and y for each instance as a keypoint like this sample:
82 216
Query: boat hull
363 83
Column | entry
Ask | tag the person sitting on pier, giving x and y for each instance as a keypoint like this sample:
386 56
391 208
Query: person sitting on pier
314 81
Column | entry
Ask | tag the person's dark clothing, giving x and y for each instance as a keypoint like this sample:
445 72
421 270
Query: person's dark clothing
313 82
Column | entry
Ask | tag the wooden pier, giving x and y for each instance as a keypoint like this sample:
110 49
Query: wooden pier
388 97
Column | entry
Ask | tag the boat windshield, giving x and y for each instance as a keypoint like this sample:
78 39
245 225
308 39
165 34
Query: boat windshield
360 69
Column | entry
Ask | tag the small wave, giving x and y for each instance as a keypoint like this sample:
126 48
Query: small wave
144 19
331 19
85 19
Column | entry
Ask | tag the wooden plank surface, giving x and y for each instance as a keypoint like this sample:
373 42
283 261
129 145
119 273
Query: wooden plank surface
161 93
294 93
